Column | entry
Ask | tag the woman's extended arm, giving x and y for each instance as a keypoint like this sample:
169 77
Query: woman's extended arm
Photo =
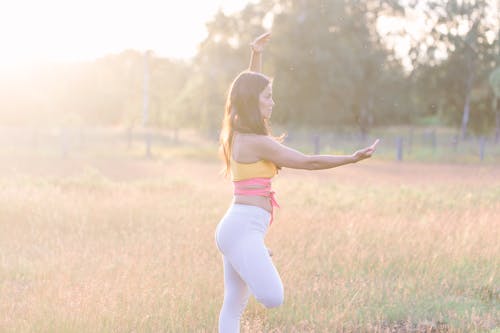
257 47
271 150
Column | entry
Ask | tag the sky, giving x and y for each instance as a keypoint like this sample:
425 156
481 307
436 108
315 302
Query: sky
34 31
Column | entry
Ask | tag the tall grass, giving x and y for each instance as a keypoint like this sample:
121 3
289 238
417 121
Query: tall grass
128 246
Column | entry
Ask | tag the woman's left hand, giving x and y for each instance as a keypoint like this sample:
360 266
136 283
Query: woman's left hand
365 152
258 44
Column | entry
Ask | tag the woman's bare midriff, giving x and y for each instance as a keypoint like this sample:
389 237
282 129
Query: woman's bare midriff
254 200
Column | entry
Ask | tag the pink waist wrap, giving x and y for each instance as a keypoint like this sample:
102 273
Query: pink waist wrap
245 187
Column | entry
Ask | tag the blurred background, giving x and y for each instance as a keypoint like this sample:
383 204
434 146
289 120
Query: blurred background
144 78
110 189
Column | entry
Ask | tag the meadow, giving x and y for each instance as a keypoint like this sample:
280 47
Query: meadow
126 244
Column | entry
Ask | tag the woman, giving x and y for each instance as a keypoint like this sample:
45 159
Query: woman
252 157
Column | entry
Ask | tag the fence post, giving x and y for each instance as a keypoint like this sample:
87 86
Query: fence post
399 148
410 141
482 144
316 144
433 140
455 143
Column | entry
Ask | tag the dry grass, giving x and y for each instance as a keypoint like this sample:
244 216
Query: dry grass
128 246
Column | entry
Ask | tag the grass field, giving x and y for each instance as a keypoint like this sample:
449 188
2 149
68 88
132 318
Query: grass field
127 245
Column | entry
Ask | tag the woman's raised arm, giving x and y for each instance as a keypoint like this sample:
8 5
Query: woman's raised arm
283 156
257 47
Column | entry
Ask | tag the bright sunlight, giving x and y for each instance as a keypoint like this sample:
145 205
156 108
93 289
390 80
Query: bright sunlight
54 30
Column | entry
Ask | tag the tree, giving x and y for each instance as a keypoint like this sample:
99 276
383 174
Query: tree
494 80
332 64
458 49
221 56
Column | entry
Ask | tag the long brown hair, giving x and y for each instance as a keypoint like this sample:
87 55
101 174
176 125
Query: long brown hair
242 111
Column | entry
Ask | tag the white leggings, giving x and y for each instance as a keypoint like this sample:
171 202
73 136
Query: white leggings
247 265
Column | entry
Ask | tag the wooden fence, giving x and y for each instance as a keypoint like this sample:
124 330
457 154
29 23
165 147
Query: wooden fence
400 145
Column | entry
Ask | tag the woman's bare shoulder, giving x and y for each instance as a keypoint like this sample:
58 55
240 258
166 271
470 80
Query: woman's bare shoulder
266 147
252 137
249 143
258 140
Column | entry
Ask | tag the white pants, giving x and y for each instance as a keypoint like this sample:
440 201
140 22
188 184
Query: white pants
248 268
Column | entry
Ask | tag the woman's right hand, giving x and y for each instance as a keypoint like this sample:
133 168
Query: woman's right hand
365 152
258 44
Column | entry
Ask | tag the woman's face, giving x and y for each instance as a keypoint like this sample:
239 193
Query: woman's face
266 102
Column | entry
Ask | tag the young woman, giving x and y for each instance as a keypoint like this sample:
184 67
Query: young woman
252 157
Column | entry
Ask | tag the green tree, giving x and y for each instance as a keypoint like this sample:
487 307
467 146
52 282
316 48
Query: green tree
332 64
221 56
494 80
455 57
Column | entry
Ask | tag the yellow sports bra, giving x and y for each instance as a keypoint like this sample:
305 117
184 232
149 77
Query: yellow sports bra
259 169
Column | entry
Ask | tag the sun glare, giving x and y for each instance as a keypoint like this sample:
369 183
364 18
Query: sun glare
54 30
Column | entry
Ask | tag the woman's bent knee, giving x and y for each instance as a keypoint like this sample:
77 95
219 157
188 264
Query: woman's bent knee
273 300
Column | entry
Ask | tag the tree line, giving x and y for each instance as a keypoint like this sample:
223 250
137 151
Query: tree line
335 64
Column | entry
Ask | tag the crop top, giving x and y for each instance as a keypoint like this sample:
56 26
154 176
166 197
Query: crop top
259 169
254 179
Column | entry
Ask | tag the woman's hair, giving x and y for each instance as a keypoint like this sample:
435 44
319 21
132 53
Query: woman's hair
242 111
